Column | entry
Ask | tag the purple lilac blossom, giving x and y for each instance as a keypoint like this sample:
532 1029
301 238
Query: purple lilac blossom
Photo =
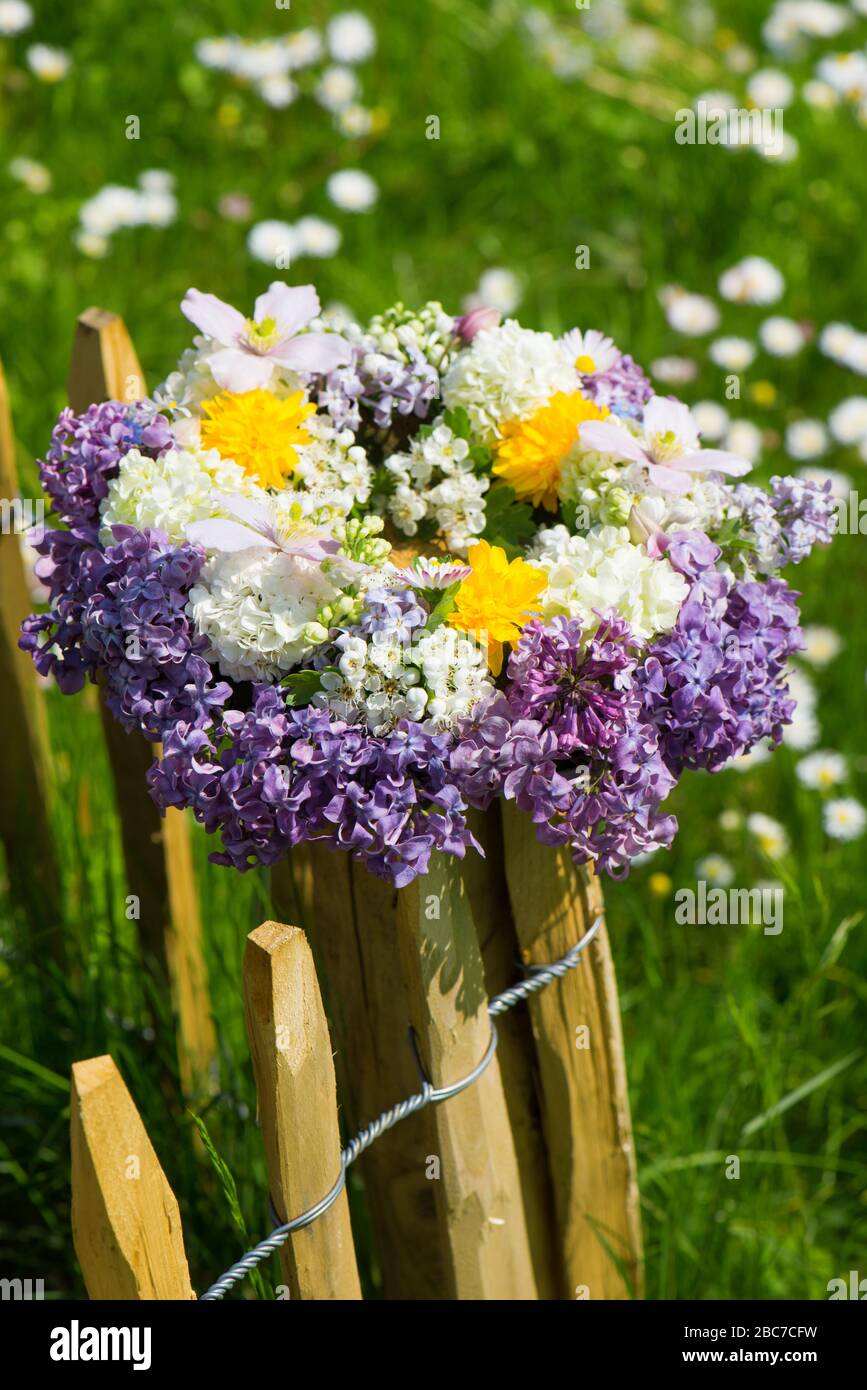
119 614
623 388
566 743
716 684
274 777
380 385
85 450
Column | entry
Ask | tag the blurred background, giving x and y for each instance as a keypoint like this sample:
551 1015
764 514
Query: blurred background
466 151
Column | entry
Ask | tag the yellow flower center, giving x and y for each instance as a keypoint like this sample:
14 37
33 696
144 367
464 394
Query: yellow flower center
585 365
496 600
531 453
262 335
259 431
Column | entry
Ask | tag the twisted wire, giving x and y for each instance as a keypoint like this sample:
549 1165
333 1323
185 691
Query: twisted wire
539 978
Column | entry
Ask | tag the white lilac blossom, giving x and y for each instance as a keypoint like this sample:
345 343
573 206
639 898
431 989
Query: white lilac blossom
436 482
333 464
589 575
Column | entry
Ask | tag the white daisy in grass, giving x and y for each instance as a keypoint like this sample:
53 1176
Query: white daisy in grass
498 288
781 337
744 438
753 280
803 732
730 820
15 16
674 371
732 354
711 419
770 88
806 439
592 352
47 63
770 834
844 818
691 314
716 870
352 190
821 645
821 770
350 37
848 421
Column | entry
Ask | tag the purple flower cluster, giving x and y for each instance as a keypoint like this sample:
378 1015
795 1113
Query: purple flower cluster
84 453
785 524
274 777
623 388
716 684
567 744
119 614
381 386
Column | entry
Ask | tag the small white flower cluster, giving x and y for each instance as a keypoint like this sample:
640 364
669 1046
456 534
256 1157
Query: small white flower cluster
428 332
259 609
604 569
280 244
169 492
333 464
435 680
266 64
151 204
435 481
508 372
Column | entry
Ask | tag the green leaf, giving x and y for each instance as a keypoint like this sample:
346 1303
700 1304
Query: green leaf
443 607
301 686
458 421
508 523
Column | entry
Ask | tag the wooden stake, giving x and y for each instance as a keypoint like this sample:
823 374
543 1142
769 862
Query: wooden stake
25 825
126 1224
291 1051
353 933
156 849
482 1223
579 1043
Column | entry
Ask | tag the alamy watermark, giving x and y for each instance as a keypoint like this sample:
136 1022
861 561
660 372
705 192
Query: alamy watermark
715 125
22 516
730 907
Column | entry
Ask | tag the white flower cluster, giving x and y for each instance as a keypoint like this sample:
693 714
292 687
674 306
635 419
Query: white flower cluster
589 574
436 680
259 609
169 492
333 465
435 481
182 393
507 373
151 204
428 332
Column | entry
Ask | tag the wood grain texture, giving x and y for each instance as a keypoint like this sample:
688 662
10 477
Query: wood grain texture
585 1102
352 929
481 1219
294 1070
156 849
25 818
126 1225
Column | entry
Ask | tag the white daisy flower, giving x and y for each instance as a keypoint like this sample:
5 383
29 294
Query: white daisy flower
821 645
745 439
35 177
273 242
732 354
806 439
770 88
716 870
844 818
316 237
15 16
47 63
692 314
821 770
350 37
848 421
770 834
337 87
711 419
674 371
352 190
781 337
592 352
753 280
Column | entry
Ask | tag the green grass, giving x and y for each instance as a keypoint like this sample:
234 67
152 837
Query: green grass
738 1044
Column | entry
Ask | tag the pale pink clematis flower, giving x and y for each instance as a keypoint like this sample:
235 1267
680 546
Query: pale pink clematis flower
250 349
258 528
669 446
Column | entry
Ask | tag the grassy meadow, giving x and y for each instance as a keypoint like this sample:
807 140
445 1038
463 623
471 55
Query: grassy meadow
554 133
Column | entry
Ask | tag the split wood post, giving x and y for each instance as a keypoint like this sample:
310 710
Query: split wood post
292 1062
482 1223
156 848
353 932
485 880
25 822
126 1225
579 1042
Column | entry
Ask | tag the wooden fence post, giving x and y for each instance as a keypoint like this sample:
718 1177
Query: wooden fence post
352 929
25 823
156 849
126 1224
579 1043
292 1062
478 1191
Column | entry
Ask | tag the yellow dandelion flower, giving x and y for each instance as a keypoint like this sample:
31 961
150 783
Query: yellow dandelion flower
259 431
496 600
532 450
